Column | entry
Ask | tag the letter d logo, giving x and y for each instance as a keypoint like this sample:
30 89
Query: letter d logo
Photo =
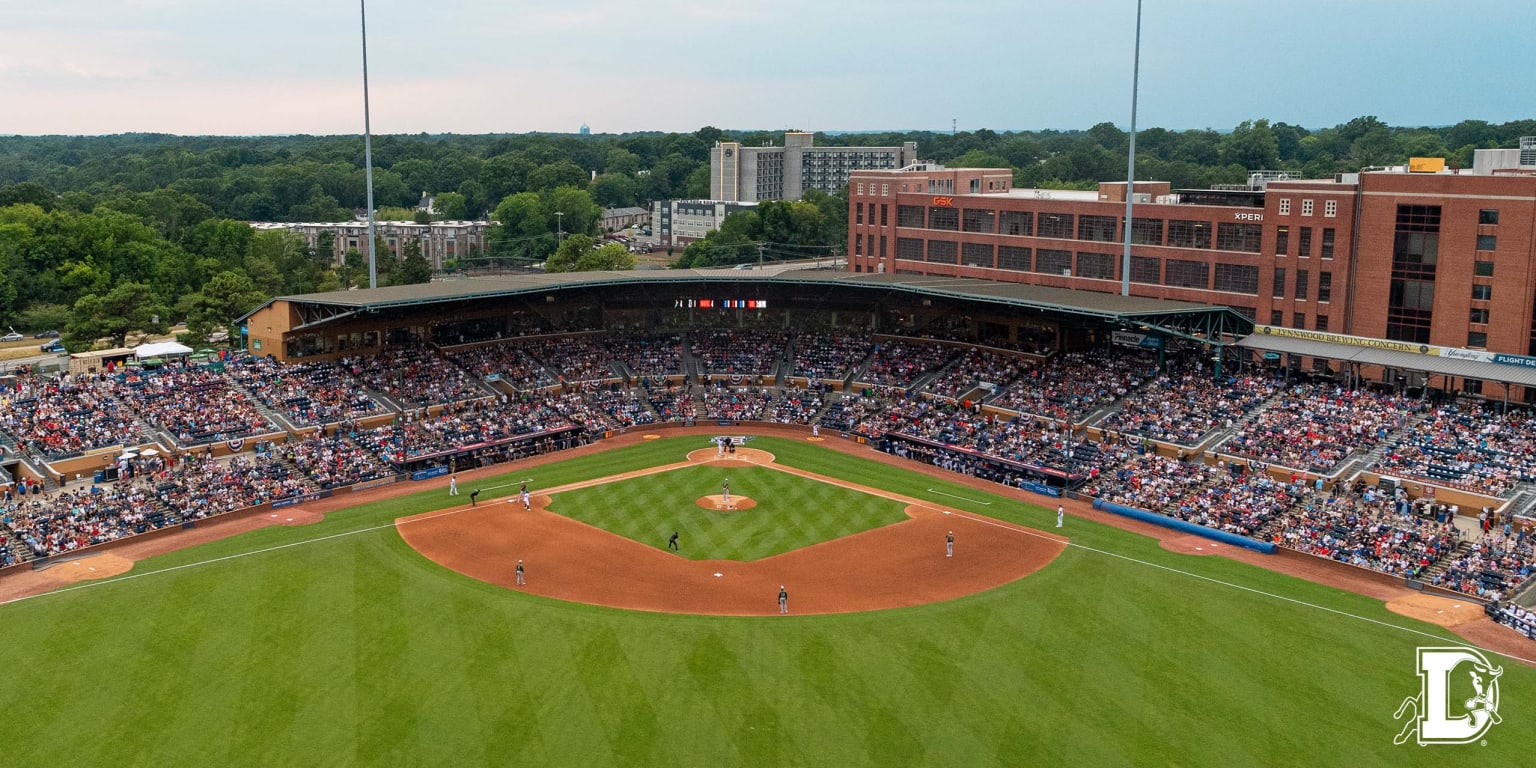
1458 697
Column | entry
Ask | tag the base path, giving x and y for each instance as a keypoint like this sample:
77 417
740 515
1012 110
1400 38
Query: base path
897 565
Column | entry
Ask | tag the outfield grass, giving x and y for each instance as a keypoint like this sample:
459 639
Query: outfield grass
355 650
791 512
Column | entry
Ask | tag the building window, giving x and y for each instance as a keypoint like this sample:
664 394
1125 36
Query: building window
909 249
858 213
1147 231
1099 266
1488 216
1304 244
858 245
1011 257
980 221
1487 242
1330 208
1324 286
1017 223
1049 261
882 246
1472 386
909 216
1298 320
1146 269
1303 283
1322 323
1285 206
1415 253
1278 291
1178 273
1477 339
1306 207
944 218
943 252
1282 240
884 219
1098 228
1276 317
1479 316
1482 293
1482 268
1189 234
1057 225
976 254
1239 237
1236 278
1325 250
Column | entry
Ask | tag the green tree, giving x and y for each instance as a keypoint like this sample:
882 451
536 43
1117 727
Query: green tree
614 190
1251 145
128 307
414 267
451 206
580 212
225 297
561 174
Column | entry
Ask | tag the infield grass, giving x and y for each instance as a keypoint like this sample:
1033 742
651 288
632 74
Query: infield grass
354 650
791 511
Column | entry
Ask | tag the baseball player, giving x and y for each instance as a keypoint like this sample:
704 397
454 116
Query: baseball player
1061 514
474 496
672 542
783 600
520 573
949 544
453 485
725 491
719 447
527 500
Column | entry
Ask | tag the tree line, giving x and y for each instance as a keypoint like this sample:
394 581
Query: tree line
107 234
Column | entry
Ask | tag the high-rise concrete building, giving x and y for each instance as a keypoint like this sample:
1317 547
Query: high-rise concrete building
745 174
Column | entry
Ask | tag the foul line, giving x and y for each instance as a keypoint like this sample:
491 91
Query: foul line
1254 590
954 513
962 498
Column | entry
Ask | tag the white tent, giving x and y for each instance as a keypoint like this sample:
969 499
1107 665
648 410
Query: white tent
161 349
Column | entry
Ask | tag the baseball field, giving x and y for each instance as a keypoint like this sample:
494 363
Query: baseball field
349 642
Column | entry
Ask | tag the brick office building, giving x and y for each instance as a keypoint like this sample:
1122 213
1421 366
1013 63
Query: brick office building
1441 258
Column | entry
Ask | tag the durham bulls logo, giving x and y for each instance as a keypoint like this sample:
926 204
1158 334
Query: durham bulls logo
1443 713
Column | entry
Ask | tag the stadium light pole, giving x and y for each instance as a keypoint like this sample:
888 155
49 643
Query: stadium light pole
373 257
1130 162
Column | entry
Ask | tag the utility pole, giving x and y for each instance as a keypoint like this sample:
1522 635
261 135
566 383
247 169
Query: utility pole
759 255
1130 163
560 228
373 259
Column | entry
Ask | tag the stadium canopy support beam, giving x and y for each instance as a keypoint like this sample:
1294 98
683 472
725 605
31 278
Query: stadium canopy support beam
1218 326
318 314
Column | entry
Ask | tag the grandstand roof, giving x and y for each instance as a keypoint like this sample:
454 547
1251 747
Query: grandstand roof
1439 364
1108 306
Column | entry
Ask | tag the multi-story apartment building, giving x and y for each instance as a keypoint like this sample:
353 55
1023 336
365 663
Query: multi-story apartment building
740 173
1443 258
676 223
440 240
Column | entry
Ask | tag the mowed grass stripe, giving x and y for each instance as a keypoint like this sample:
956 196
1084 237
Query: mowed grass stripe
1090 661
791 511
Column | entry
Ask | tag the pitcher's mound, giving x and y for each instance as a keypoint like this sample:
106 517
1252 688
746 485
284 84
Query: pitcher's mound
717 503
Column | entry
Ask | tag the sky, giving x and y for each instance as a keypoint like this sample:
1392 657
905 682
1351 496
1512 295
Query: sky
511 66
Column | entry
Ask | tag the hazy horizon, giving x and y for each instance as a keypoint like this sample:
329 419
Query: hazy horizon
283 67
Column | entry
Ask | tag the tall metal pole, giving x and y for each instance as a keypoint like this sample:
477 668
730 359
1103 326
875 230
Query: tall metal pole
373 265
1130 163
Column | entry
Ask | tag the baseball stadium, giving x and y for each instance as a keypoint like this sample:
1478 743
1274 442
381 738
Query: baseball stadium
725 517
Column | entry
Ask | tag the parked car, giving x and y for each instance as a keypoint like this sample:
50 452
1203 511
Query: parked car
12 336
46 335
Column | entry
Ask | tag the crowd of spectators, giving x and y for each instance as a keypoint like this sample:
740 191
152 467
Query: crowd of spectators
304 393
334 461
855 409
1370 532
1473 447
974 367
1315 427
572 358
1491 568
1516 617
828 356
1072 385
735 404
461 425
1184 407
61 416
508 360
902 363
795 406
195 405
599 409
672 402
648 357
1210 496
416 376
737 353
